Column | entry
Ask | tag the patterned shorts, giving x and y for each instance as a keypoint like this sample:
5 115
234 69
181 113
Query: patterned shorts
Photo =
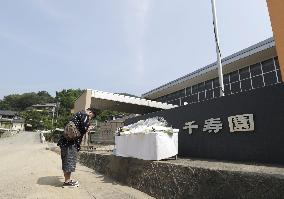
69 158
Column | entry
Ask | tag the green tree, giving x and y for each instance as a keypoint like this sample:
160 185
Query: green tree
108 115
4 105
38 119
17 102
66 100
45 97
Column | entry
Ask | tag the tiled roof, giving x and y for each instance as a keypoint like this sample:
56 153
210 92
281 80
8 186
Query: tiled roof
7 112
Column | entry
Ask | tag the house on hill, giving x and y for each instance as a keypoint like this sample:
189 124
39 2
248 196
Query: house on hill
10 121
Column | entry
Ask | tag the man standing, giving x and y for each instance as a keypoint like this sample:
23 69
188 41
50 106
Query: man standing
70 147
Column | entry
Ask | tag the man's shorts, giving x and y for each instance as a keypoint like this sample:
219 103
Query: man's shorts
69 158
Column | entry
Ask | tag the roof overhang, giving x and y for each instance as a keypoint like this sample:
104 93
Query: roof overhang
122 103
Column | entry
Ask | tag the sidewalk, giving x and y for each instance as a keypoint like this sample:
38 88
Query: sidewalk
30 171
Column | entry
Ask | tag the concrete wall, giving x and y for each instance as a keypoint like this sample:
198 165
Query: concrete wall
83 102
190 179
105 132
18 126
276 13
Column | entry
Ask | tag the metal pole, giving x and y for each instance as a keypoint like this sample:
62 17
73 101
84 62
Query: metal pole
219 64
53 110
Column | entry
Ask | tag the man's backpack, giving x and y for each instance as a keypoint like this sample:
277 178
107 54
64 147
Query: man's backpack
71 132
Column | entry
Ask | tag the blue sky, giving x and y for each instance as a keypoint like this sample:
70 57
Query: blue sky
118 45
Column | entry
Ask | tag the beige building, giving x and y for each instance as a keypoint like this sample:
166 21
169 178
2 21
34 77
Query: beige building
10 121
276 13
117 102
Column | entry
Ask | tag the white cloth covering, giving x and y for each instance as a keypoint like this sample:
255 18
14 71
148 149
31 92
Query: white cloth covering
149 146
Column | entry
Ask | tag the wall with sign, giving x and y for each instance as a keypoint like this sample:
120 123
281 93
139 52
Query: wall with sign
247 126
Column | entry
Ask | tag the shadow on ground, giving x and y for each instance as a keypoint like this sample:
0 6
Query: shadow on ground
55 181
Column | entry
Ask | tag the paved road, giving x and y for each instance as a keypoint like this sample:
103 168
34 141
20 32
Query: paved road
28 170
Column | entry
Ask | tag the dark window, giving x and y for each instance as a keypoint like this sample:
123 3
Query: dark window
208 85
216 82
188 90
167 97
180 93
244 73
175 95
257 82
194 89
171 96
246 84
277 63
268 66
234 76
227 89
270 78
279 76
235 87
201 96
255 69
216 92
226 79
209 94
201 87
186 99
193 98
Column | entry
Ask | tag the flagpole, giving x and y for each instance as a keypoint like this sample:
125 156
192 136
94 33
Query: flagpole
219 63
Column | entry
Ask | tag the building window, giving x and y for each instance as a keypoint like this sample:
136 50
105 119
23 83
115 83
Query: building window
209 94
194 89
251 77
255 69
188 90
234 76
226 79
201 87
227 89
201 96
268 66
246 85
216 92
208 85
244 73
235 87
216 82
270 78
193 98
257 82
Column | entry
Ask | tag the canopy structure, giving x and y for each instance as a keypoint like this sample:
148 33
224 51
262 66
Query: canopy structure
117 102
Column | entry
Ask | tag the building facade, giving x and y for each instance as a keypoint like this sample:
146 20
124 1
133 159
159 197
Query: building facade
251 68
10 121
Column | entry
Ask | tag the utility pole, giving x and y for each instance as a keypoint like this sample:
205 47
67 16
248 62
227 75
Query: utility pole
218 51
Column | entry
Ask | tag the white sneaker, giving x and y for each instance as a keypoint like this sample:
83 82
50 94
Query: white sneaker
69 185
75 182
